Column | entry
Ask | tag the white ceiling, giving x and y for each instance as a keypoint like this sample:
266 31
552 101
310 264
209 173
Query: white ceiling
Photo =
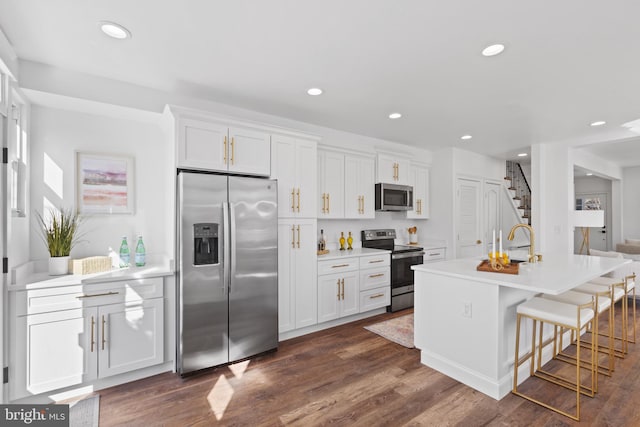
566 64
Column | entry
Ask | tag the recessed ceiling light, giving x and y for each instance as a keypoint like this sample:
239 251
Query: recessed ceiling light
314 91
589 174
465 137
114 30
493 50
395 116
598 123
522 155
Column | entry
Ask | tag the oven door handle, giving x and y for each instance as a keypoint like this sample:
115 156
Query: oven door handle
407 255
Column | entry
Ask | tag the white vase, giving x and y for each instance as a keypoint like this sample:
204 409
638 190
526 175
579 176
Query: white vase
413 237
58 265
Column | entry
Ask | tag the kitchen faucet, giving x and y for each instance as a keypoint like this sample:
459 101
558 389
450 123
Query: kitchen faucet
532 248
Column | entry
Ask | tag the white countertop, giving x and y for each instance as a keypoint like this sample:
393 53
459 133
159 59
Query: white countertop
355 252
43 280
554 275
431 244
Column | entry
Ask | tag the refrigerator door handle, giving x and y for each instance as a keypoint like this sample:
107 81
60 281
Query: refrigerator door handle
225 244
232 245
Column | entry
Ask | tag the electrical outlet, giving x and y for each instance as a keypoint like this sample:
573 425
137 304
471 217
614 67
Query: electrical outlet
467 310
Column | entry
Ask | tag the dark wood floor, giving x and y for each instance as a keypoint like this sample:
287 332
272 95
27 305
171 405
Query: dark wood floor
350 376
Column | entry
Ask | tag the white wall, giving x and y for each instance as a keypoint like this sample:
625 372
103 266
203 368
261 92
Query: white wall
631 203
56 136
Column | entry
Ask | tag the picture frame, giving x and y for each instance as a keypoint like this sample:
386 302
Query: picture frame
104 183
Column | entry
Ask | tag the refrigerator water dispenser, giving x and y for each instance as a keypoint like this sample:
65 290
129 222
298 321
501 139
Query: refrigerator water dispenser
205 243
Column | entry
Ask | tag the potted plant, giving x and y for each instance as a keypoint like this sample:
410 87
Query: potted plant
60 233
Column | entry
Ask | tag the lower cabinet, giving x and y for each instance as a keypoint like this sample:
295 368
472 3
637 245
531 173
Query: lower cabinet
353 284
297 286
338 295
116 328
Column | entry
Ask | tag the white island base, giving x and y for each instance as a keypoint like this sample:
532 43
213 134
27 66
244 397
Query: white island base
465 320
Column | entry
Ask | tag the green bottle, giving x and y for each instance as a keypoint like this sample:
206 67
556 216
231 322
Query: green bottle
140 253
124 253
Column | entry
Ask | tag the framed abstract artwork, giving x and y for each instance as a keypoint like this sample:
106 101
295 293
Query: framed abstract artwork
104 183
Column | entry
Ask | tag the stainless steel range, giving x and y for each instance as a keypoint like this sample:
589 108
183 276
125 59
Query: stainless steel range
402 258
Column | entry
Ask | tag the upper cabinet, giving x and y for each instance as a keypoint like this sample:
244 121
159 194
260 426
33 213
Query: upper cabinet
393 169
330 184
420 182
294 163
209 143
359 184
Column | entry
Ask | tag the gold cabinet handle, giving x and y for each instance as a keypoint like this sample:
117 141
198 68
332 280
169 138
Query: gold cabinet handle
97 295
363 205
376 260
298 199
478 242
328 201
293 236
338 296
93 324
233 143
376 275
340 265
293 200
225 149
103 339
324 198
298 237
376 296
343 289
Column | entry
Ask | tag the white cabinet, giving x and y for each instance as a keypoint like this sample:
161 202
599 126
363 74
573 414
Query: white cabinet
393 169
420 183
330 184
70 335
338 295
294 163
211 144
359 184
297 279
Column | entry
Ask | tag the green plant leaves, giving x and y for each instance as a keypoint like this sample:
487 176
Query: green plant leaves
60 231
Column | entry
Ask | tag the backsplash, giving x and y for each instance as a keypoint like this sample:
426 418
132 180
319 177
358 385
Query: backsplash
395 220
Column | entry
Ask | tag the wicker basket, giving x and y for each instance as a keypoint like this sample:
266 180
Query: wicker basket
93 264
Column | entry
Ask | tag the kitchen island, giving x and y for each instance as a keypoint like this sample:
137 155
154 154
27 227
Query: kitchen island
465 320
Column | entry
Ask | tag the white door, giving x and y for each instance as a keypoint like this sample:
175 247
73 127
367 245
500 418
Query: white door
249 151
283 168
306 164
598 237
130 337
329 290
468 209
331 184
202 145
366 179
350 294
61 348
286 271
306 273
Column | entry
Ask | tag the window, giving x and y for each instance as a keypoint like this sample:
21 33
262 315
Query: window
18 144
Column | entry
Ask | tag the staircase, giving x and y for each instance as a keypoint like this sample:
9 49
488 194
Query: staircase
520 191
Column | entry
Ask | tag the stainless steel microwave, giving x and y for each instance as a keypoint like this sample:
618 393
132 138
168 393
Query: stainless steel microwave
394 197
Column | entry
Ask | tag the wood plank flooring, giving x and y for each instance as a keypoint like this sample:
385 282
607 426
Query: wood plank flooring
348 376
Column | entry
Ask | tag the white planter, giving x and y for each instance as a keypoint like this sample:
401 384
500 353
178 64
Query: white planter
58 265
413 237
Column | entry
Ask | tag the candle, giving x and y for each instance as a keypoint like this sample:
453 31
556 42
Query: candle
493 246
500 254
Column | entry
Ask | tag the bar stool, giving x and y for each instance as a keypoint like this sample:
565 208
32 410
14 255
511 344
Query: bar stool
571 317
630 290
617 292
602 303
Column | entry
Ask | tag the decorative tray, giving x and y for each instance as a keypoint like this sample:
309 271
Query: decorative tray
511 268
323 252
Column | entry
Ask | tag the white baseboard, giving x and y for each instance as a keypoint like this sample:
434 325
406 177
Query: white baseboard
283 336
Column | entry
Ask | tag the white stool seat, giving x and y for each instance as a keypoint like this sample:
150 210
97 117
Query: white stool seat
593 288
613 281
580 298
555 312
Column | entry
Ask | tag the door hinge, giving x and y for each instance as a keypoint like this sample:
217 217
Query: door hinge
5 375
5 265
5 155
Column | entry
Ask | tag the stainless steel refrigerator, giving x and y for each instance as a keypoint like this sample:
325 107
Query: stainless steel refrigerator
227 269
